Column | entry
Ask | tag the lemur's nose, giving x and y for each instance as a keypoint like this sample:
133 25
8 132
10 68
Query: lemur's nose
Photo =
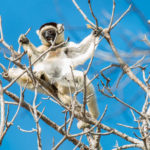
47 35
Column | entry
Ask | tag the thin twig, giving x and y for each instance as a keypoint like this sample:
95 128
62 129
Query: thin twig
122 102
27 31
91 129
83 14
78 143
146 40
118 81
112 17
128 146
130 127
133 115
145 106
3 42
1 31
106 68
20 102
121 17
96 21
2 120
138 62
11 103
60 142
2 66
27 131
35 115
8 124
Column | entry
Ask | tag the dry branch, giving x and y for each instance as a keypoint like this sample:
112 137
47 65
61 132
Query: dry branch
46 120
2 111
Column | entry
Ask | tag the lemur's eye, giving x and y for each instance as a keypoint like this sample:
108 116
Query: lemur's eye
51 31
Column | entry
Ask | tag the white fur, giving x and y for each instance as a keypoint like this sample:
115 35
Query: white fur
57 68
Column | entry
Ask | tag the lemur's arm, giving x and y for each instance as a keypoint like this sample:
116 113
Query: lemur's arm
27 45
88 52
32 51
74 50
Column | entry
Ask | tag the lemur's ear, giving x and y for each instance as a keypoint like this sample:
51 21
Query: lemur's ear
38 32
60 28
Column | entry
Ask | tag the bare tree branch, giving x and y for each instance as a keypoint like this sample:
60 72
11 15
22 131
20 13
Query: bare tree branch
2 108
46 120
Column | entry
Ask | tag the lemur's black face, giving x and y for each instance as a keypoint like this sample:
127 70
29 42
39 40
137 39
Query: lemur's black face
49 35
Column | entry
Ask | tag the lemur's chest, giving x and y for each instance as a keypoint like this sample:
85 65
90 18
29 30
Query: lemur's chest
56 54
55 68
55 63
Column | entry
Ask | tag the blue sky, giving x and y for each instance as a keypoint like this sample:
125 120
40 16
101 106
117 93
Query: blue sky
19 15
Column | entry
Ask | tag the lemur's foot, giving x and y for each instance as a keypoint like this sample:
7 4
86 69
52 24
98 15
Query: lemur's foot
12 73
5 74
81 124
41 75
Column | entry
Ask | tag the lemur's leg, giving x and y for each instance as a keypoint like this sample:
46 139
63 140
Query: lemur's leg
90 95
65 94
23 80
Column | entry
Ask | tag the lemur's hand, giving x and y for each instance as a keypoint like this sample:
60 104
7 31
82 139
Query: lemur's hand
97 32
23 39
